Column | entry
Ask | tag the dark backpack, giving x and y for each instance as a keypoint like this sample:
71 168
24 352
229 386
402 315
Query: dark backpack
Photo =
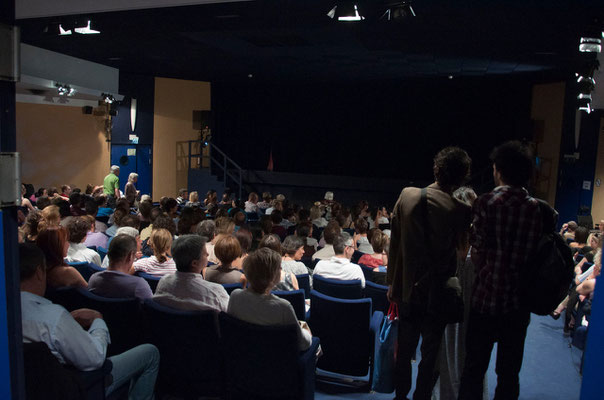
550 268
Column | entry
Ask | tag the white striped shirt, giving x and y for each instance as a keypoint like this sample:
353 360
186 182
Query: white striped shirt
152 266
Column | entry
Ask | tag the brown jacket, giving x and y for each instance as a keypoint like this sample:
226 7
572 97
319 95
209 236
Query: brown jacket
410 257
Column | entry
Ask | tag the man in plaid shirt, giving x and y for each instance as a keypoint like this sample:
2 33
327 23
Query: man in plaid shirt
507 225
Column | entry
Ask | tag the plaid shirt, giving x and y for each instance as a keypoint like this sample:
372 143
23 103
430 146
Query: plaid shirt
507 225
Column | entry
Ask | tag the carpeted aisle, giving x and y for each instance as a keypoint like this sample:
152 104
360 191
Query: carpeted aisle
550 370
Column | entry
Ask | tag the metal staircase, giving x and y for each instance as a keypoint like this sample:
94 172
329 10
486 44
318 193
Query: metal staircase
211 168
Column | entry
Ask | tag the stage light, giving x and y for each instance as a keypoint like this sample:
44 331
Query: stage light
108 98
345 12
64 32
586 84
398 10
86 30
590 45
64 90
584 102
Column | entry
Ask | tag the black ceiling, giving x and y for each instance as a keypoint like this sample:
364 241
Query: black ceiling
281 40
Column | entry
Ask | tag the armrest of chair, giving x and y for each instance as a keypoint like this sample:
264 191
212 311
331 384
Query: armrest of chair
92 378
307 365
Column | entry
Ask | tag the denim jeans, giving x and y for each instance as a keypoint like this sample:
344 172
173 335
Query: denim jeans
139 366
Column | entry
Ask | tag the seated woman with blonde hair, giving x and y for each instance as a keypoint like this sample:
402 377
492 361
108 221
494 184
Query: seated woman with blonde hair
160 263
54 242
256 304
227 250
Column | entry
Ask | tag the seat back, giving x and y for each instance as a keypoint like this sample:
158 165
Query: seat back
102 251
152 280
296 299
86 269
304 284
378 295
92 247
338 288
343 326
188 342
356 256
122 316
262 361
367 271
310 263
229 287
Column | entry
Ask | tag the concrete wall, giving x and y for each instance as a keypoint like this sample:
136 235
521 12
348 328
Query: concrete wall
175 101
61 145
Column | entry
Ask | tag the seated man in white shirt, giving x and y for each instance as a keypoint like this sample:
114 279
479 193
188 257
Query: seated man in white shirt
79 338
339 266
331 231
78 228
186 289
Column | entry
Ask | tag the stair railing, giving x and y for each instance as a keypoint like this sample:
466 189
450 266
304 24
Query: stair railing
216 158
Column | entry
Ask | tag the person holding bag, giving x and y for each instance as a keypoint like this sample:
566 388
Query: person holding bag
429 227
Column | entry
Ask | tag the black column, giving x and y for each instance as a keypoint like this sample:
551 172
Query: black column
8 143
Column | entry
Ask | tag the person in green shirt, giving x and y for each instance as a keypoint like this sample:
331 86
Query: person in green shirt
111 184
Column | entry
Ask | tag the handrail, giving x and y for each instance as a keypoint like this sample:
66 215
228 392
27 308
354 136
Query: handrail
224 165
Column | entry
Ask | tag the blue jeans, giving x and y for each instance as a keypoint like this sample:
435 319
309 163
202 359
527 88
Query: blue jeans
139 366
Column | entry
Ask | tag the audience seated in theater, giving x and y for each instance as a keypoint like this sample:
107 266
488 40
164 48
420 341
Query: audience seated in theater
170 207
211 199
49 217
132 232
162 221
266 224
186 289
257 236
379 242
116 281
160 263
189 218
290 218
240 219
278 229
42 202
39 193
316 217
266 201
103 209
568 230
256 304
76 200
78 228
30 227
251 205
287 280
293 250
144 214
244 236
276 204
193 200
227 250
339 266
79 338
182 196
331 231
25 203
207 230
53 192
63 205
224 226
304 232
146 232
129 220
581 235
118 215
94 238
91 207
360 237
120 204
226 197
54 243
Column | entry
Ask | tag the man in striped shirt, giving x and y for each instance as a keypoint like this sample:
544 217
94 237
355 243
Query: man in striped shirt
507 225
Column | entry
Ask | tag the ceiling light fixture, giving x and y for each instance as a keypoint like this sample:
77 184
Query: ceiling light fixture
64 90
345 13
590 45
584 102
87 30
108 98
63 32
398 10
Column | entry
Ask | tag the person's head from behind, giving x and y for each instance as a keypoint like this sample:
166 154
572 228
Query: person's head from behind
262 270
50 216
130 220
451 168
160 241
253 198
78 228
361 225
266 224
266 197
244 237
54 242
163 221
239 218
145 208
101 200
121 253
42 202
115 170
379 241
194 197
169 205
512 164
304 230
331 231
293 247
315 212
227 250
32 268
276 217
189 253
343 246
272 242
572 226
207 229
581 235
224 226
63 206
595 240
182 193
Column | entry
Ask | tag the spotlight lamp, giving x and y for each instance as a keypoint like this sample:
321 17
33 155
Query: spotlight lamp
398 10
345 12
590 45
586 85
64 90
584 102
108 98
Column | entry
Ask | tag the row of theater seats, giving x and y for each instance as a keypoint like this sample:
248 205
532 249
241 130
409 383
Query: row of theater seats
204 353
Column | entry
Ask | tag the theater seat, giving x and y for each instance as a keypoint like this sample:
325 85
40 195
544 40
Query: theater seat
86 269
296 299
343 289
152 280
